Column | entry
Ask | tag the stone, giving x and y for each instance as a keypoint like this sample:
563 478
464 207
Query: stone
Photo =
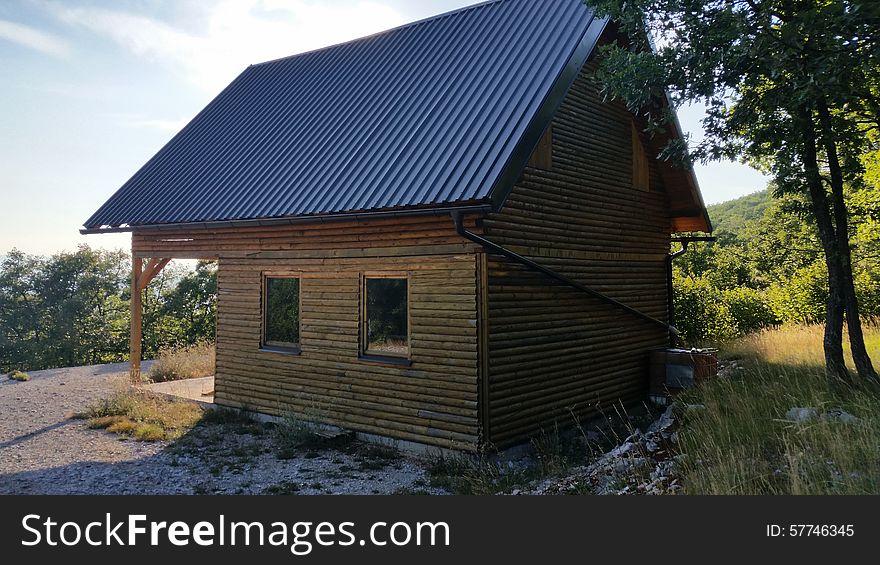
801 415
841 416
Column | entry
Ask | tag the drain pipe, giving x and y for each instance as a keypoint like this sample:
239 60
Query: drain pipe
457 218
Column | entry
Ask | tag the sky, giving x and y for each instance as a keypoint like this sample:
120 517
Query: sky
91 89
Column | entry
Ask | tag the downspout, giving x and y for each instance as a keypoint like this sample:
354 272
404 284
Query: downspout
457 218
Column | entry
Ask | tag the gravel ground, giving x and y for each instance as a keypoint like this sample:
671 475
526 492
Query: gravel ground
44 451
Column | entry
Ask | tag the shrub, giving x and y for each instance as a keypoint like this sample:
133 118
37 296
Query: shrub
700 312
19 376
184 363
706 314
149 432
802 298
750 309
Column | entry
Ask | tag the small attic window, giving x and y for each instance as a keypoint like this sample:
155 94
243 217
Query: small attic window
542 157
640 174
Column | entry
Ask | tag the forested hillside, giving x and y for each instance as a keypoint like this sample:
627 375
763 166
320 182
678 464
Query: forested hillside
767 267
728 218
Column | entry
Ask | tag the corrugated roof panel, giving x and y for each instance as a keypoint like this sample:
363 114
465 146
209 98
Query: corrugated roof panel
425 114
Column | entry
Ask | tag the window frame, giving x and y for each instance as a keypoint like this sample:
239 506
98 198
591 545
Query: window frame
364 353
278 346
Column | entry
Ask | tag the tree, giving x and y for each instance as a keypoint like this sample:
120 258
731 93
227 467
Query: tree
792 86
73 308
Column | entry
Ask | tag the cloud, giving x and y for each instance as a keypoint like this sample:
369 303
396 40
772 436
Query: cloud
35 39
234 33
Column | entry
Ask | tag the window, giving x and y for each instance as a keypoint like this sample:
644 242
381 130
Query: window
281 313
385 316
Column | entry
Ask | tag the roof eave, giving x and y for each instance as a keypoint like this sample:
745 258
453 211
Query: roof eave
469 208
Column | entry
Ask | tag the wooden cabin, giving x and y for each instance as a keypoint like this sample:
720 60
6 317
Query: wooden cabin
438 234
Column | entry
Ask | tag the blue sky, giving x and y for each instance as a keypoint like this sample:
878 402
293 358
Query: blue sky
91 89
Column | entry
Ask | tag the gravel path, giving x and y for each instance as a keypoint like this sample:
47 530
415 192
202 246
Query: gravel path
43 451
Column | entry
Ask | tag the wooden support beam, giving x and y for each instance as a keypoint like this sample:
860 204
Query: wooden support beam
153 268
137 266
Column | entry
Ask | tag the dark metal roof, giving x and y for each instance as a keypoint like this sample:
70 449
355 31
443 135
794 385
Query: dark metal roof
428 115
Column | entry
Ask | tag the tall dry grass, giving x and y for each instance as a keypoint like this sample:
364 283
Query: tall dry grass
796 345
743 443
184 363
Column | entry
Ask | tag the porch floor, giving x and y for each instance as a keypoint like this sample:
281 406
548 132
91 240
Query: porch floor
201 390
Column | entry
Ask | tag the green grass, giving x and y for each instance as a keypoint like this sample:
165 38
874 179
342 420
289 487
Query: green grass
143 416
743 444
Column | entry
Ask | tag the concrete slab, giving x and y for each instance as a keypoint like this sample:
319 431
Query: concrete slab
200 390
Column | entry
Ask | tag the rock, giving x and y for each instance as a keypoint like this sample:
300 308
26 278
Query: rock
801 415
664 422
841 416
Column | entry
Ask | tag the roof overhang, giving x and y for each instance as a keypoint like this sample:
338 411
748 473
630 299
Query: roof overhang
310 219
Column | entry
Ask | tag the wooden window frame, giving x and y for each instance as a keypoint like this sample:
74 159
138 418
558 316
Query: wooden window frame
364 353
277 346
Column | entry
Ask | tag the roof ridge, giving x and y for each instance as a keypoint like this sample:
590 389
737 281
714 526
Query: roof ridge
382 32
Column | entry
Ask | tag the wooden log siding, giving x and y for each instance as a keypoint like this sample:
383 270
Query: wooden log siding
433 401
397 236
554 353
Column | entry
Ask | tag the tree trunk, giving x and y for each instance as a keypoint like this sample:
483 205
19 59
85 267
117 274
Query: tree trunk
835 364
862 360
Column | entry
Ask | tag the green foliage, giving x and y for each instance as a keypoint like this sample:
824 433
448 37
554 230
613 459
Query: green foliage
73 309
700 312
749 309
731 216
792 88
801 300
768 269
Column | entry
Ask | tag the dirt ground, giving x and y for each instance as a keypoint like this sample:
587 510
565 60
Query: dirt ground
44 451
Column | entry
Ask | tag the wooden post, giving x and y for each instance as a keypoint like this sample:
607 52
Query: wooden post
137 266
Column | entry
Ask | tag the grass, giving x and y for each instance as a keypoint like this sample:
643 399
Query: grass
143 416
742 442
184 363
283 488
551 454
294 436
796 345
19 376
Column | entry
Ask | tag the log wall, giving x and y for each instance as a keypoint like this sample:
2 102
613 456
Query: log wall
555 353
433 401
